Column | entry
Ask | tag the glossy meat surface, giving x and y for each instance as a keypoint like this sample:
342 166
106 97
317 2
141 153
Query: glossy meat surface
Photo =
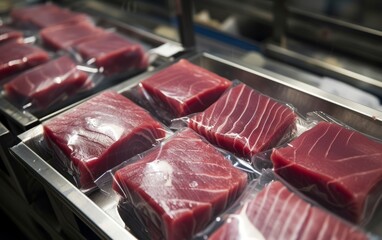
66 36
101 133
44 85
46 15
15 57
180 186
277 213
113 53
343 168
8 34
244 121
184 88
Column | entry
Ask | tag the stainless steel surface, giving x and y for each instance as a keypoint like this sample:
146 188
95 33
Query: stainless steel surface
280 16
99 211
347 41
79 203
184 12
326 64
17 116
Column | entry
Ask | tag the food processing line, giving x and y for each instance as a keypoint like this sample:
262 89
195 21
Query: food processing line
285 63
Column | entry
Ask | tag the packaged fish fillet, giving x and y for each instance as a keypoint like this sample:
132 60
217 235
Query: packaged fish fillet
246 122
9 34
335 165
113 53
180 89
270 209
175 189
63 37
99 134
48 84
45 15
17 56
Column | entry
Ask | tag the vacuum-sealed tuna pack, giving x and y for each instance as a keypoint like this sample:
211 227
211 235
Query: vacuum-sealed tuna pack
175 189
245 121
272 209
339 167
179 90
99 134
333 164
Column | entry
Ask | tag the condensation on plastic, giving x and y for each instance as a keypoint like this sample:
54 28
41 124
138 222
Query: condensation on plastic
87 142
233 124
338 167
179 90
167 182
278 216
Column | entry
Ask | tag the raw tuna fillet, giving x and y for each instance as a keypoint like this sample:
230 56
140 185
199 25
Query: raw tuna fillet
8 34
179 187
44 85
42 16
15 57
338 167
277 213
113 53
185 88
101 133
244 121
56 18
66 36
23 15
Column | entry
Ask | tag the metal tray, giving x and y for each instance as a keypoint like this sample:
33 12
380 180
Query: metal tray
160 51
100 212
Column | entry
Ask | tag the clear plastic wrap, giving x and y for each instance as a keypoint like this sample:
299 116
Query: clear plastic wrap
63 37
269 209
246 122
47 84
113 54
16 57
174 190
99 134
179 90
335 165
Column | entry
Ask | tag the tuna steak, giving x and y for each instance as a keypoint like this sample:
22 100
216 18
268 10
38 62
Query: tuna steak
338 167
46 15
8 34
101 133
277 213
44 85
15 57
113 53
66 36
244 121
184 88
23 15
179 187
